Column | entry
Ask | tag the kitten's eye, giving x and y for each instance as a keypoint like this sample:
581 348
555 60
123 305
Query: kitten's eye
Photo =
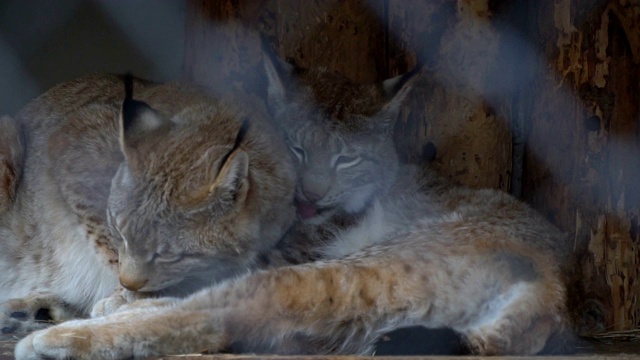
345 161
298 152
113 227
117 236
167 258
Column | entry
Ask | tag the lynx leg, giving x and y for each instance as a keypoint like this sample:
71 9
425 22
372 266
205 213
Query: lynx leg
333 307
137 333
19 317
123 299
110 304
523 326
321 309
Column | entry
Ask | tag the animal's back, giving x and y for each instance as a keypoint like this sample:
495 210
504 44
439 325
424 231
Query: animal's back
69 131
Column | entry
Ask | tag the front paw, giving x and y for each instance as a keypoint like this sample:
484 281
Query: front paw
67 341
123 300
109 305
19 317
127 334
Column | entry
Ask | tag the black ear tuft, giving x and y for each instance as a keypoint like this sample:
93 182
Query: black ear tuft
137 119
132 110
239 139
128 86
230 179
246 124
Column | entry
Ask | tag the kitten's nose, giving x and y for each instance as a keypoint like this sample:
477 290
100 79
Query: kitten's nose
132 284
311 196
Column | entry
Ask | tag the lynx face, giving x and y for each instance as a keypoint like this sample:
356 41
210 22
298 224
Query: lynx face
339 173
339 134
179 207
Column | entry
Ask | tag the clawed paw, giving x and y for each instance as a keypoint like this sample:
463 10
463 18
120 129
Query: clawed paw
19 317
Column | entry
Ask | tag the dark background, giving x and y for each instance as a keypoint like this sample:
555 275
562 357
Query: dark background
43 43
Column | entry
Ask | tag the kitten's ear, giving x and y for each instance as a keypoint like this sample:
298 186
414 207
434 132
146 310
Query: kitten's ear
395 90
229 181
137 121
11 156
277 72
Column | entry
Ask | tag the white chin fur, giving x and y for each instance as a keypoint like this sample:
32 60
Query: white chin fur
373 228
358 199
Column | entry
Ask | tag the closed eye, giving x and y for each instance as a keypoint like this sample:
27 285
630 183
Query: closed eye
345 161
113 227
167 258
298 152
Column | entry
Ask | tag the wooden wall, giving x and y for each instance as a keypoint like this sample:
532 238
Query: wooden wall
538 98
582 160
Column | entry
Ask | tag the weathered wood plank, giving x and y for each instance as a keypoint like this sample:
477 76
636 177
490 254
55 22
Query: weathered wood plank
345 36
454 112
222 46
582 166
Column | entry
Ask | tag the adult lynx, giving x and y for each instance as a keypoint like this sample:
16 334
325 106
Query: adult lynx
421 252
186 206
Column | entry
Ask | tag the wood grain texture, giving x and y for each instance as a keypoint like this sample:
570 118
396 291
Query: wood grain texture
450 121
344 36
581 167
222 46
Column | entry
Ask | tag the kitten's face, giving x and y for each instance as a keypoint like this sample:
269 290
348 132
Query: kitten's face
339 134
338 170
179 208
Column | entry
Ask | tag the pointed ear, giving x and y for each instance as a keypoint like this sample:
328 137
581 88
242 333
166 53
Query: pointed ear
137 120
230 178
233 179
230 185
277 71
395 90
